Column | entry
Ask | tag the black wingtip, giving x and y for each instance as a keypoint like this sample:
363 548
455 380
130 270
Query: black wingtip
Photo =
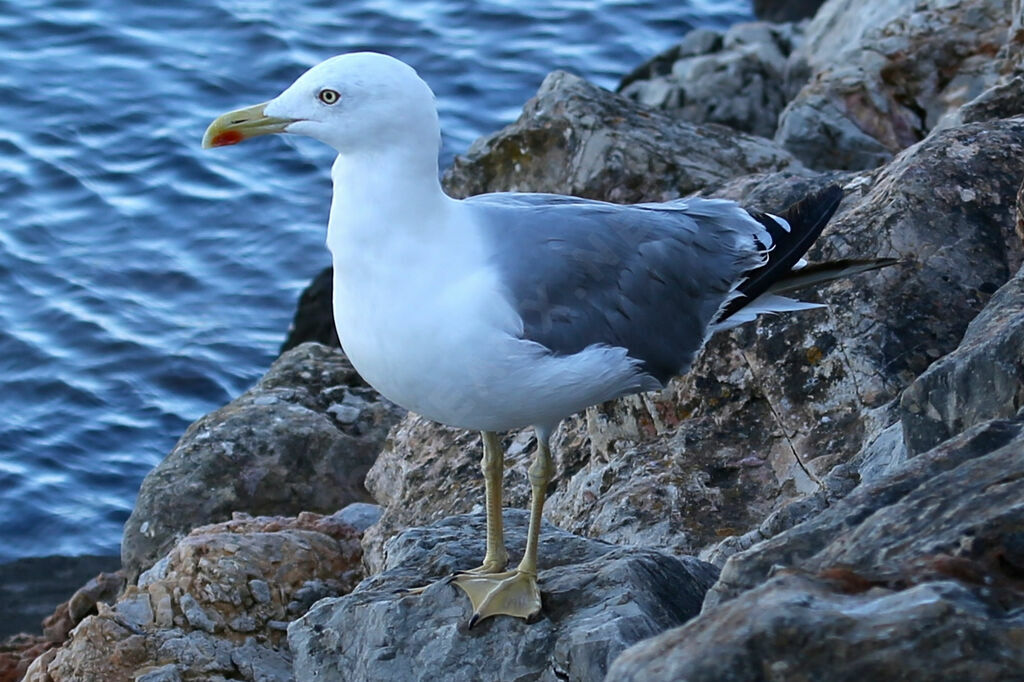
806 218
814 211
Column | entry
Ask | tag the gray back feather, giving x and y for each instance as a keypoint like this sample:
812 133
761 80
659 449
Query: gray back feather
646 277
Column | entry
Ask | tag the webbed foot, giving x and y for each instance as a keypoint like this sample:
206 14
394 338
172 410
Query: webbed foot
511 593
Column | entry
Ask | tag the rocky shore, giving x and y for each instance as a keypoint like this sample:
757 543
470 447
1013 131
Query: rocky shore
837 494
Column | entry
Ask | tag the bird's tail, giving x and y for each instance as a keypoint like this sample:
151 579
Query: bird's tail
823 273
792 233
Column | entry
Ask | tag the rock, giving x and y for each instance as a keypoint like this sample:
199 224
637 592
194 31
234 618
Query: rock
277 449
885 74
938 503
103 588
598 599
1002 100
982 379
738 80
575 138
785 10
915 576
216 607
1020 212
772 408
314 316
797 627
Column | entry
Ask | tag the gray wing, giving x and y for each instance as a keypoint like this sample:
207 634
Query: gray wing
646 277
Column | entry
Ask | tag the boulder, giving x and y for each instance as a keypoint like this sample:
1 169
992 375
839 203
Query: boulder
884 74
217 606
301 439
982 379
576 138
874 530
598 599
916 575
738 80
798 627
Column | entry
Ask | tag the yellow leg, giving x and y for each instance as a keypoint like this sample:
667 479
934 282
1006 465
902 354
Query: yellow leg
493 466
514 593
495 557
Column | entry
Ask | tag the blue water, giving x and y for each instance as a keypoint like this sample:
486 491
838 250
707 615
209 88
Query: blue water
144 282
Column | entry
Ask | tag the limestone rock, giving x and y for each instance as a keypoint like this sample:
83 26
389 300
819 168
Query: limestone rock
598 599
575 138
739 80
301 439
797 627
915 576
886 73
216 607
963 499
983 379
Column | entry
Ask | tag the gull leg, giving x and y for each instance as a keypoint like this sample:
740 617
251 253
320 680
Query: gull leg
515 593
495 557
492 465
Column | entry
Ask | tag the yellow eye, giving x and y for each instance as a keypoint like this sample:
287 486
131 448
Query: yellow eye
328 96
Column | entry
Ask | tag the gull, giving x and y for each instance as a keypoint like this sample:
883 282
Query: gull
509 310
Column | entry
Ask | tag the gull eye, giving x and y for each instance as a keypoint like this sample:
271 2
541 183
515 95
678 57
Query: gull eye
328 96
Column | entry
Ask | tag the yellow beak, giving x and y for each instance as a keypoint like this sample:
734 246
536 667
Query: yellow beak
235 126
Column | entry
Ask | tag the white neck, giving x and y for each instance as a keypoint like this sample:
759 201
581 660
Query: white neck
375 194
392 180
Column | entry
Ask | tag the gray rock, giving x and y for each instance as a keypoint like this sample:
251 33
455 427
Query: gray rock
698 41
360 515
1002 100
884 74
738 80
575 138
797 627
274 450
598 599
962 499
982 379
165 673
195 615
217 606
913 577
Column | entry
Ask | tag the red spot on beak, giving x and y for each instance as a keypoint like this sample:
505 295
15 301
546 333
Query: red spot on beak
226 138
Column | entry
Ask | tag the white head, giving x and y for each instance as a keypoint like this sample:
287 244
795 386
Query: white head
357 103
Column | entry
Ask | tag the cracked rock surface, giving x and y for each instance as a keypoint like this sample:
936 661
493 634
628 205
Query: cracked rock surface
598 599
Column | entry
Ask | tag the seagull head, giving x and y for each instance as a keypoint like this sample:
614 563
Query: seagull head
359 102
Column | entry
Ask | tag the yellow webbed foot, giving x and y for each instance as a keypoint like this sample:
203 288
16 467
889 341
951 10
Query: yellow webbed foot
512 593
